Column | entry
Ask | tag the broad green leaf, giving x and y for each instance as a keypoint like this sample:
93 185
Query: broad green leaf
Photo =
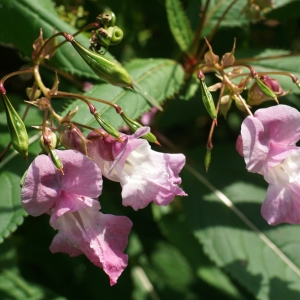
224 215
191 88
179 25
156 78
175 228
233 18
22 21
12 169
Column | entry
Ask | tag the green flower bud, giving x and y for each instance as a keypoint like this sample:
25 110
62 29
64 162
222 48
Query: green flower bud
207 97
16 127
48 140
134 126
107 69
107 127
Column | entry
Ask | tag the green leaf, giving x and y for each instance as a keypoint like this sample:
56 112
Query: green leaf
175 228
233 18
179 25
157 78
35 14
224 214
11 170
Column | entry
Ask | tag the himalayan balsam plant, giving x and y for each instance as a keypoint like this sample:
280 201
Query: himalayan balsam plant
144 170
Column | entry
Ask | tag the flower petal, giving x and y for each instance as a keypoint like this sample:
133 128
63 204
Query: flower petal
102 238
40 188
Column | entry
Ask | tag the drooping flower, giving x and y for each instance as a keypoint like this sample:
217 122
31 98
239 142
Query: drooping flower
268 137
145 175
282 202
268 145
69 199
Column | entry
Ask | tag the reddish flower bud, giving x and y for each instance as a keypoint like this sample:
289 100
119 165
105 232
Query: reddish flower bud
73 138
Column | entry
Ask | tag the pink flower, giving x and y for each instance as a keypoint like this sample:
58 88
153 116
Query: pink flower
145 175
268 137
282 202
68 198
268 144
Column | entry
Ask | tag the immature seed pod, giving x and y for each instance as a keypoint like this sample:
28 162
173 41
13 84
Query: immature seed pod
134 126
207 97
107 127
107 69
16 127
56 160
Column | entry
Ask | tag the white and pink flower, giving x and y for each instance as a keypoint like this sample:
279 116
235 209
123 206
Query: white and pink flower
70 200
268 144
145 175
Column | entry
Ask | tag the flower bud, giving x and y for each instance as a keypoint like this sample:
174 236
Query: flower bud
16 127
134 126
105 145
72 138
225 105
263 89
36 94
107 69
207 97
48 140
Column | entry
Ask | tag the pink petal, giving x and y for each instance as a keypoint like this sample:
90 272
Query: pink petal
269 137
82 176
102 238
281 205
39 190
150 176
45 186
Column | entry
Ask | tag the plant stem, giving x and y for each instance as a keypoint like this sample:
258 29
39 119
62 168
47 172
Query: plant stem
203 49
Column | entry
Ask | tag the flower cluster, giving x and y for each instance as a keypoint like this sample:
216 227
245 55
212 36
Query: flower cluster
268 144
70 197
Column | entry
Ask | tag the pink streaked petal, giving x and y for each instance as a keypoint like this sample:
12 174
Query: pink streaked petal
281 205
255 144
138 192
40 189
82 176
102 238
109 247
281 123
71 203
